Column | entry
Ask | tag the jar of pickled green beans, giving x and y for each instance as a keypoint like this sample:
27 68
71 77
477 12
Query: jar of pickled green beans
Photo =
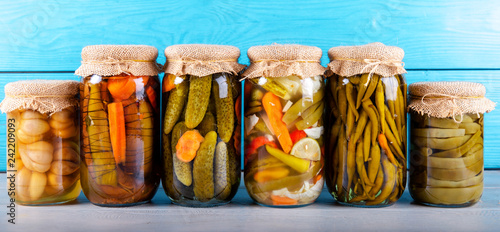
119 102
284 106
446 138
365 160
201 124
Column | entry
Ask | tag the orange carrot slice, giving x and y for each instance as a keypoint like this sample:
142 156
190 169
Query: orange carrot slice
168 82
121 89
188 145
151 96
278 200
272 106
117 131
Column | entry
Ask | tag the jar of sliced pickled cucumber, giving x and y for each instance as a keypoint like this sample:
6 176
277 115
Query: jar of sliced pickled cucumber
120 96
284 106
446 152
201 124
366 125
43 141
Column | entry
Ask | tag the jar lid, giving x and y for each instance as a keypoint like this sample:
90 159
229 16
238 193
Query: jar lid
111 60
284 60
44 96
446 99
202 59
375 58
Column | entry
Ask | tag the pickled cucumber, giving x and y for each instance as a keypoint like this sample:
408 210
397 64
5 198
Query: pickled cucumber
203 168
175 105
224 106
207 124
234 164
197 103
222 182
168 169
182 170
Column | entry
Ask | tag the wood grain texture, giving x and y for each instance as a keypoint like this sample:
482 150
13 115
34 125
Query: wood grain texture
244 215
49 35
489 78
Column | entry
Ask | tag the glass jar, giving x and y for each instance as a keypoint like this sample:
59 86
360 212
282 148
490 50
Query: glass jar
446 142
446 160
120 121
284 125
366 125
43 145
201 125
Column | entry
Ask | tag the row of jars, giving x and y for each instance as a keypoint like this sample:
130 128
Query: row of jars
300 131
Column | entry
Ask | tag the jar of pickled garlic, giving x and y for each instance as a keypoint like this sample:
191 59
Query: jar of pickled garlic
446 138
366 125
43 138
284 107
201 124
120 123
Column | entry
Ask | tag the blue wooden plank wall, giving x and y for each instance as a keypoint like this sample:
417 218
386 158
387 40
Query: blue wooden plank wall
443 40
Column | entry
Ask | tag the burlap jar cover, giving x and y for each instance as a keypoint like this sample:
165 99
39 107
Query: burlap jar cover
447 99
284 60
202 59
44 96
374 58
112 60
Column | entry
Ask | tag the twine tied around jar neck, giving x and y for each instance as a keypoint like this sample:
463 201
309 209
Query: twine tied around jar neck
442 98
112 61
374 63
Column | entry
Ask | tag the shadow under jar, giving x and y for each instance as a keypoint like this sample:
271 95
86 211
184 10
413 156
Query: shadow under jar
120 121
447 145
365 163
43 140
284 125
201 124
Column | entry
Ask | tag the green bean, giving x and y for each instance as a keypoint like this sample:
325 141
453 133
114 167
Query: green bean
350 121
342 103
450 196
464 118
333 88
360 167
461 149
371 87
351 162
394 143
350 93
390 121
440 123
341 146
455 184
380 103
374 162
425 151
470 127
452 163
437 132
363 119
456 174
367 141
309 111
442 144
300 106
363 84
379 181
372 114
401 111
355 80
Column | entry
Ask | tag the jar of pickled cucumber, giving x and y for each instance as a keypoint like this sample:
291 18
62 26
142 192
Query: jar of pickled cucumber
446 142
120 120
366 125
284 107
201 124
42 141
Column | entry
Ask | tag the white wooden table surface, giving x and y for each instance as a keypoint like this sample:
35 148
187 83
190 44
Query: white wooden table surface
243 215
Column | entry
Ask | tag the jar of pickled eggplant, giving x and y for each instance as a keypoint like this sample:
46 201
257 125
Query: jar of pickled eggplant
284 107
120 120
366 125
446 152
201 124
43 141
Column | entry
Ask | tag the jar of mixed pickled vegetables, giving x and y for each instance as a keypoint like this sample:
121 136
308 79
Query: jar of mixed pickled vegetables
366 125
43 141
446 138
120 120
201 124
284 107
